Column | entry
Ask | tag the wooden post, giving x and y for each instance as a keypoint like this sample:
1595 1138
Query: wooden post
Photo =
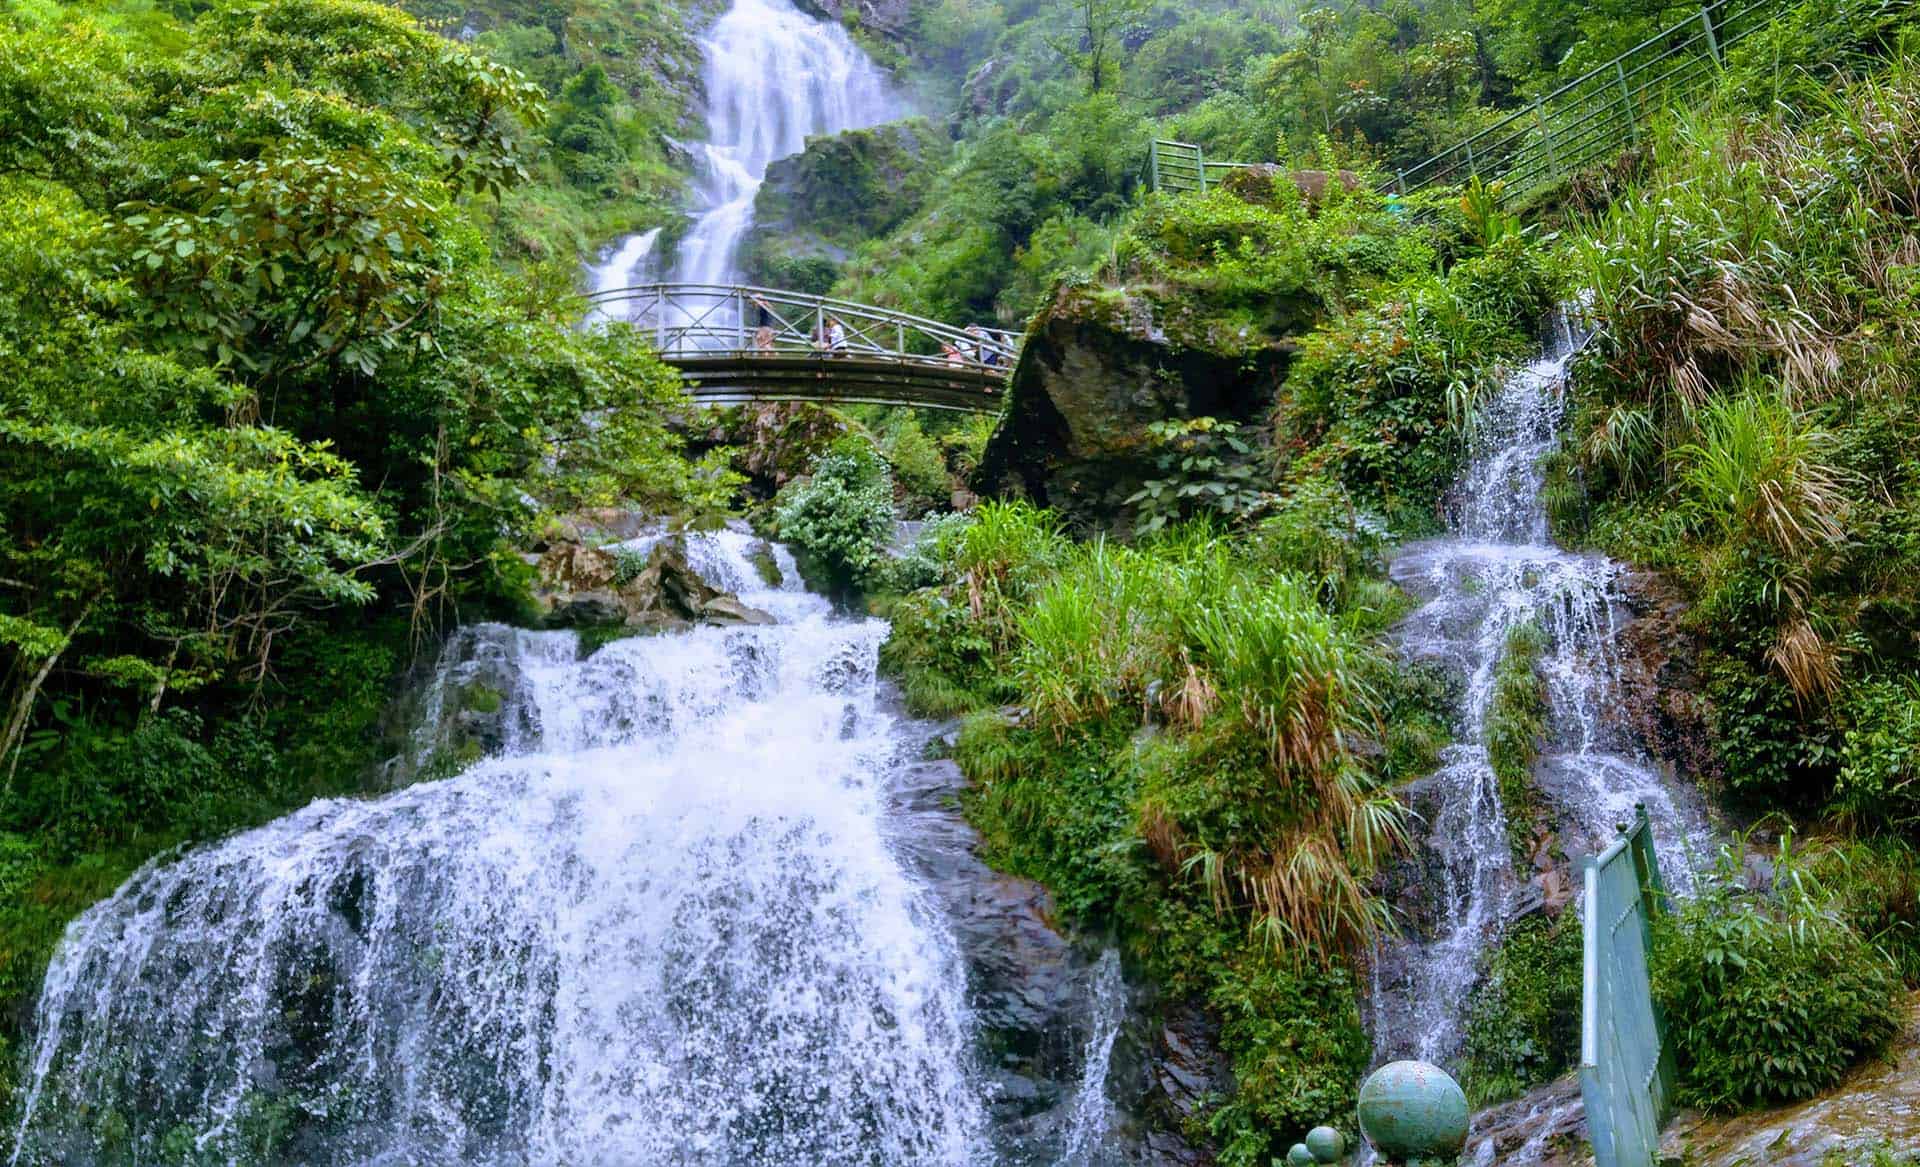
1546 137
1713 42
1626 99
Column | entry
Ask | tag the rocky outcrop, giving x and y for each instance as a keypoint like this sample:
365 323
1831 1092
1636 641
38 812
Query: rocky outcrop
591 587
817 206
1100 364
772 444
1264 182
886 19
1661 701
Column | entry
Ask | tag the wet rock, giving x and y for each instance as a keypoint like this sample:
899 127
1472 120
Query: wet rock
1188 1066
887 19
466 701
582 588
1545 1127
1661 702
1099 365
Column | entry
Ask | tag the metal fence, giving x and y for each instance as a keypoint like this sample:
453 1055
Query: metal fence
1626 1068
1587 120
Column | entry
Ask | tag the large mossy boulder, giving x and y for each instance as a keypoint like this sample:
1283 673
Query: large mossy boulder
1100 365
817 206
1200 313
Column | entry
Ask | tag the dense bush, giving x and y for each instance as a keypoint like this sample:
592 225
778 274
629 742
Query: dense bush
1771 997
1746 422
1523 1020
1380 396
1189 763
1515 727
839 516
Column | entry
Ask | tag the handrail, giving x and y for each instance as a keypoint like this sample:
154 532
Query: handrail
707 320
1595 115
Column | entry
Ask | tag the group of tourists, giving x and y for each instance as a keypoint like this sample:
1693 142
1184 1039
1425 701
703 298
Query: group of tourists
830 337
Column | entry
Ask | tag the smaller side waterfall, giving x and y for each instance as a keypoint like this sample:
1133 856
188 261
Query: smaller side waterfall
629 263
1091 1118
1496 572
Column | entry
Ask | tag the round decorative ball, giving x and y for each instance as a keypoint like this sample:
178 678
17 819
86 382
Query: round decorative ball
1413 1110
1326 1144
1299 1156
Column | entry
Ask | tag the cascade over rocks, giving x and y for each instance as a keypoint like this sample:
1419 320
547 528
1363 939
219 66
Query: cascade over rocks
1099 366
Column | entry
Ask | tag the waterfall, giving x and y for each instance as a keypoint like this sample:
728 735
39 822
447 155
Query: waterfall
1091 1117
774 77
665 927
628 263
1498 569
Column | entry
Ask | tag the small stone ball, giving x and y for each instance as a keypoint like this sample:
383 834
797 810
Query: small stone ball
1326 1144
1413 1110
1299 1156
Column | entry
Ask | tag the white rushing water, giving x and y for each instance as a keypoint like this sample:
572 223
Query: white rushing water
1496 571
665 928
774 77
628 263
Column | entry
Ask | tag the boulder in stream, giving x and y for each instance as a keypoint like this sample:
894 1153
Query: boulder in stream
594 587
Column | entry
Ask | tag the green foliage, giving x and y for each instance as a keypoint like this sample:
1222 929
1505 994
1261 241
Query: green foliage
1515 726
1523 1020
1174 738
1879 783
1746 421
839 517
1769 998
1381 397
1206 469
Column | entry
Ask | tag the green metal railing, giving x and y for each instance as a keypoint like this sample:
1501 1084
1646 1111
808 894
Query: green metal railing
1587 120
1626 1068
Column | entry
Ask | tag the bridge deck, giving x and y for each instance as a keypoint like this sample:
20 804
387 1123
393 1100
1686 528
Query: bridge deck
734 343
730 378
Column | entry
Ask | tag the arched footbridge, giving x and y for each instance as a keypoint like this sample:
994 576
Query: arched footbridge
735 344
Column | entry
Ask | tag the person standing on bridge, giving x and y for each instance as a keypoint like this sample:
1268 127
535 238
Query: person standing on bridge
836 336
762 326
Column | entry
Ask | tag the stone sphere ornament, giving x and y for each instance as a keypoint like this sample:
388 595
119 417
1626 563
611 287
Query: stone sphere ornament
1300 1156
1413 1110
1326 1144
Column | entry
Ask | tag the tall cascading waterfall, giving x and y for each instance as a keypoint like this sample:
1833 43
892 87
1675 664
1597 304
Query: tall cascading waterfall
774 76
667 925
1499 569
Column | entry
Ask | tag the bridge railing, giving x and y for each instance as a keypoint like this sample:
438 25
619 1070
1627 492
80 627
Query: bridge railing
720 320
1587 120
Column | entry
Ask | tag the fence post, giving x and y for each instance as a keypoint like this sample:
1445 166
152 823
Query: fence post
1400 183
1713 42
660 320
739 321
1153 162
1473 168
1200 167
1546 137
1626 98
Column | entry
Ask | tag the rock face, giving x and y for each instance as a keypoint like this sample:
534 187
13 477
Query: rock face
886 19
816 206
1099 365
584 587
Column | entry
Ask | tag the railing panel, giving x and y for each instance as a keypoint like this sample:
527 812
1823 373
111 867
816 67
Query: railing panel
1626 1069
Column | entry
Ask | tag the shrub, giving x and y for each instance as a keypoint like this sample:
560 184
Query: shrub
1880 761
1523 1020
840 515
1769 998
1516 725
